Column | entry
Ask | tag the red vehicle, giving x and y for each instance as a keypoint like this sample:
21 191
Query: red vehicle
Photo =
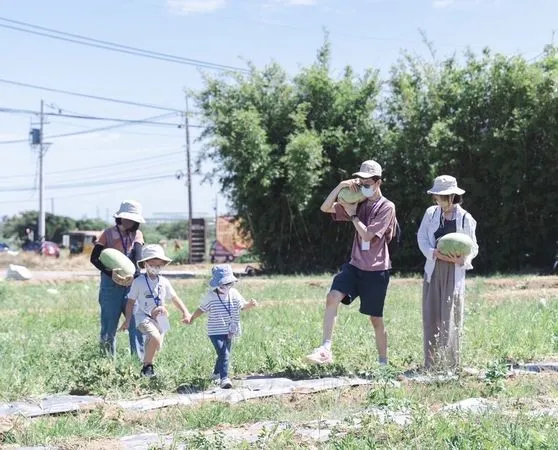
48 248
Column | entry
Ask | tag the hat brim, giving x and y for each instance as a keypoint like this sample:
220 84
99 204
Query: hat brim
216 282
457 191
130 216
365 175
141 262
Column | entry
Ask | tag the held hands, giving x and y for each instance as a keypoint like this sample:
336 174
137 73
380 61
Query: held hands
120 280
186 318
125 325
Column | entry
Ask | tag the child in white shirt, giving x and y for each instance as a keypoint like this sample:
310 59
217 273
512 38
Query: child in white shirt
223 304
147 299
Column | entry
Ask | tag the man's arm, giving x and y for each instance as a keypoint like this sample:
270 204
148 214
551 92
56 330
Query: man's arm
378 225
329 202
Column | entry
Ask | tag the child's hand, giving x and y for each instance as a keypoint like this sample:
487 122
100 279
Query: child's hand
159 310
187 318
125 325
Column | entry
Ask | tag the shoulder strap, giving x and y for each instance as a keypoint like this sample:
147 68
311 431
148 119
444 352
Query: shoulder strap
463 220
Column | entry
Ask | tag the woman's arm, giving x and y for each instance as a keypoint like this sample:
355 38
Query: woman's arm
423 239
95 254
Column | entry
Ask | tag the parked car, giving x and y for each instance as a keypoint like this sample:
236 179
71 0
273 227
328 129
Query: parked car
48 248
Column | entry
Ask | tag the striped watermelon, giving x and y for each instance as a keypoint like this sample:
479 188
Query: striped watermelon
455 244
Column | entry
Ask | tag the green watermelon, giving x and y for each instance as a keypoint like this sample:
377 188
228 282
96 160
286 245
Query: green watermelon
113 259
347 196
455 244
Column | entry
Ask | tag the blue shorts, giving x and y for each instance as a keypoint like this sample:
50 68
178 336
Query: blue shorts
371 287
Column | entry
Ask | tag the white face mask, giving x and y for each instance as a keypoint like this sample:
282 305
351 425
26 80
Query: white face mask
368 191
224 289
153 270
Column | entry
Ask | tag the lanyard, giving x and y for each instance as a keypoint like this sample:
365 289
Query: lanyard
125 242
229 309
156 299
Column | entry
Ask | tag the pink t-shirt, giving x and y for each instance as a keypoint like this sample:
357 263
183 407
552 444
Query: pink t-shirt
379 218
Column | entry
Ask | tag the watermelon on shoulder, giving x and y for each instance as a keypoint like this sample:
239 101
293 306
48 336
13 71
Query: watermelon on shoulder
114 259
346 195
455 244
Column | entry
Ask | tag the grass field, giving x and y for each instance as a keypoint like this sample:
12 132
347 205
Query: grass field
49 335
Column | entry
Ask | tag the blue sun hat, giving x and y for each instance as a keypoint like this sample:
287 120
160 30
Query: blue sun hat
222 274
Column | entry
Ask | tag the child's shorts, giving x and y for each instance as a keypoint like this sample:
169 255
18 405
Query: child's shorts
150 329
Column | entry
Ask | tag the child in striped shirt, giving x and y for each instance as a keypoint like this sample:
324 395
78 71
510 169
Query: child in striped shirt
223 304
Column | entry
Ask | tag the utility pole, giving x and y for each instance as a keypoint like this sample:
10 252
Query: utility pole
41 179
52 205
188 179
216 218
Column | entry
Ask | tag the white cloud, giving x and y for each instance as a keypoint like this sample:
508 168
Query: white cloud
195 6
300 2
279 3
442 3
458 3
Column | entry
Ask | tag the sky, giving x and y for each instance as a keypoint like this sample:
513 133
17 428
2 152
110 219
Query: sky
80 170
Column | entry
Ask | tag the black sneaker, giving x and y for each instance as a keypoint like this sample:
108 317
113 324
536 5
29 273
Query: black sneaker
147 371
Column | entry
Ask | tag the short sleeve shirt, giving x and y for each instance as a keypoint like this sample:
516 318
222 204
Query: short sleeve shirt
144 293
222 310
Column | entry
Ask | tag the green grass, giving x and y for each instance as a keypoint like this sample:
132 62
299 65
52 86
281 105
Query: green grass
48 344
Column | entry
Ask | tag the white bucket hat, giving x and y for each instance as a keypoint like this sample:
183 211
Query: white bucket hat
131 210
222 274
152 251
369 169
445 185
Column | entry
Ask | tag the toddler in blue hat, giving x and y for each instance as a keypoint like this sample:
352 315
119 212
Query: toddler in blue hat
223 304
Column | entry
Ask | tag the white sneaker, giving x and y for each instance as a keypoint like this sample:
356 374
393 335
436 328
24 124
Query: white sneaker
320 355
226 383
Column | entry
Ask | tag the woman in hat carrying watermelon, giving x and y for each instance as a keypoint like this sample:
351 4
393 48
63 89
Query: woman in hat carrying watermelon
125 237
443 291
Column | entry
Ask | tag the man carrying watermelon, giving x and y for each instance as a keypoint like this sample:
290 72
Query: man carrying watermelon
446 238
125 237
366 275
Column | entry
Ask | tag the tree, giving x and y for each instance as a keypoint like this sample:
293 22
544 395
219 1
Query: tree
281 145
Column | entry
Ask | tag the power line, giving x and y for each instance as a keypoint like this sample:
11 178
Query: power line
89 96
87 184
81 194
134 133
102 166
115 47
124 122
87 117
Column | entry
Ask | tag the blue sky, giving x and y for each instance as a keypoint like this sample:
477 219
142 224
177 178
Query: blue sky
365 33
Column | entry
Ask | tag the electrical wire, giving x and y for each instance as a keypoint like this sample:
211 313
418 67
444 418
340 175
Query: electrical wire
101 166
113 46
87 184
89 96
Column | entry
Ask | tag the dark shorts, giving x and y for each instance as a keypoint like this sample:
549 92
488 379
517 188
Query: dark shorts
371 287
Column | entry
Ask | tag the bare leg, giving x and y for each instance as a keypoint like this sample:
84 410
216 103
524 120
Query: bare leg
381 337
153 345
330 316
